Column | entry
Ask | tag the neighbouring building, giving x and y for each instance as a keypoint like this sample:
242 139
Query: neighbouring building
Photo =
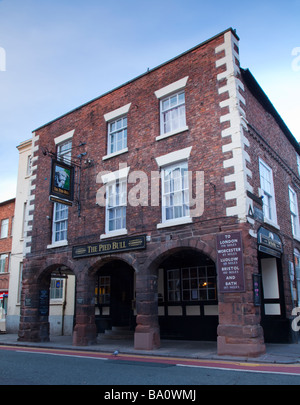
172 200
7 209
61 290
16 262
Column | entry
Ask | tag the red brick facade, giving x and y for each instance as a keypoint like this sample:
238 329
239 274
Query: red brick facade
7 210
227 129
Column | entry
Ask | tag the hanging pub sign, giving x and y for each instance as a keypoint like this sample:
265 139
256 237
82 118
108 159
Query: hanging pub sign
230 262
62 182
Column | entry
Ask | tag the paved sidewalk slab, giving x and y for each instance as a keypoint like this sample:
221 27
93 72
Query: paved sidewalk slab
275 353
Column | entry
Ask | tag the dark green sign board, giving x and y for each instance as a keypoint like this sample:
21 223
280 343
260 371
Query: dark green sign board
109 247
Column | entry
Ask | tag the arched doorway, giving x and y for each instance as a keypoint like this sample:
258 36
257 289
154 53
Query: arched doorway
56 301
114 297
187 296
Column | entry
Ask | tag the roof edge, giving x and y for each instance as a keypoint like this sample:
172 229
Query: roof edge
138 77
263 99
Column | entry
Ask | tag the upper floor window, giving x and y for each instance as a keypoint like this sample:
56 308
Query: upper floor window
3 259
175 192
175 188
116 206
29 165
267 191
294 212
4 228
172 108
115 202
116 131
64 151
60 223
172 112
117 135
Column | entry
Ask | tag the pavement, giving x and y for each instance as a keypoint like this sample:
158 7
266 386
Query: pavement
275 353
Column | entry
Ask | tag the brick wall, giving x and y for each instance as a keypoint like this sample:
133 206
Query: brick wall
268 142
203 120
7 209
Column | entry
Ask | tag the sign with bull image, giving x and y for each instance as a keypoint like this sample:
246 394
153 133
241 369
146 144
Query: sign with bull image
62 181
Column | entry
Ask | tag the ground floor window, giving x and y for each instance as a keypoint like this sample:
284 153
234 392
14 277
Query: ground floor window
56 288
102 291
192 284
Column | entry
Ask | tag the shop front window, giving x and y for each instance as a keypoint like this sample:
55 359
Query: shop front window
192 284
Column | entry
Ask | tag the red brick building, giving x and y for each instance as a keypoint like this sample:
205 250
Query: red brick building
7 210
183 221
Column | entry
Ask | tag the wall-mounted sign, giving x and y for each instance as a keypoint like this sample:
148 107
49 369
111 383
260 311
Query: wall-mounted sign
62 181
44 302
230 262
111 246
269 242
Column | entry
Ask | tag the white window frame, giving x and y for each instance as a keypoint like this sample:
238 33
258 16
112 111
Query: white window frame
165 94
115 201
172 113
294 213
4 228
60 224
57 293
171 160
3 258
111 118
175 192
117 129
269 203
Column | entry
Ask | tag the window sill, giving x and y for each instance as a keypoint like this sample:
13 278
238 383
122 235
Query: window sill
269 222
113 234
111 155
171 133
58 244
175 222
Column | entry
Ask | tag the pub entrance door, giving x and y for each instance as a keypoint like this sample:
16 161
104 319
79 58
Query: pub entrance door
114 295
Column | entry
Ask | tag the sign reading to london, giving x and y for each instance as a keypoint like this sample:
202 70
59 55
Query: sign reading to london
230 262
112 246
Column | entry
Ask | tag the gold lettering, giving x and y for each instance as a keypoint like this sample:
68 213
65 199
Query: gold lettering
92 249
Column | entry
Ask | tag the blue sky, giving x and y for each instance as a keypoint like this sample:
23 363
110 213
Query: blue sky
63 53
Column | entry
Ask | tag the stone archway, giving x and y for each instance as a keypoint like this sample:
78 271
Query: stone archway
114 297
187 296
36 296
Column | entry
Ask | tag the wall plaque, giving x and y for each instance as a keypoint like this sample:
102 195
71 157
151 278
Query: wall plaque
44 302
230 262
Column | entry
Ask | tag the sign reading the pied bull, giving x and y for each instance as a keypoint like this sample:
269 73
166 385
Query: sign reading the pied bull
62 181
108 247
230 262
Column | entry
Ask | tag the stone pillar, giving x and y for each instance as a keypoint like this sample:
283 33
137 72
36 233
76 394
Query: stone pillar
34 323
85 331
239 330
147 334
